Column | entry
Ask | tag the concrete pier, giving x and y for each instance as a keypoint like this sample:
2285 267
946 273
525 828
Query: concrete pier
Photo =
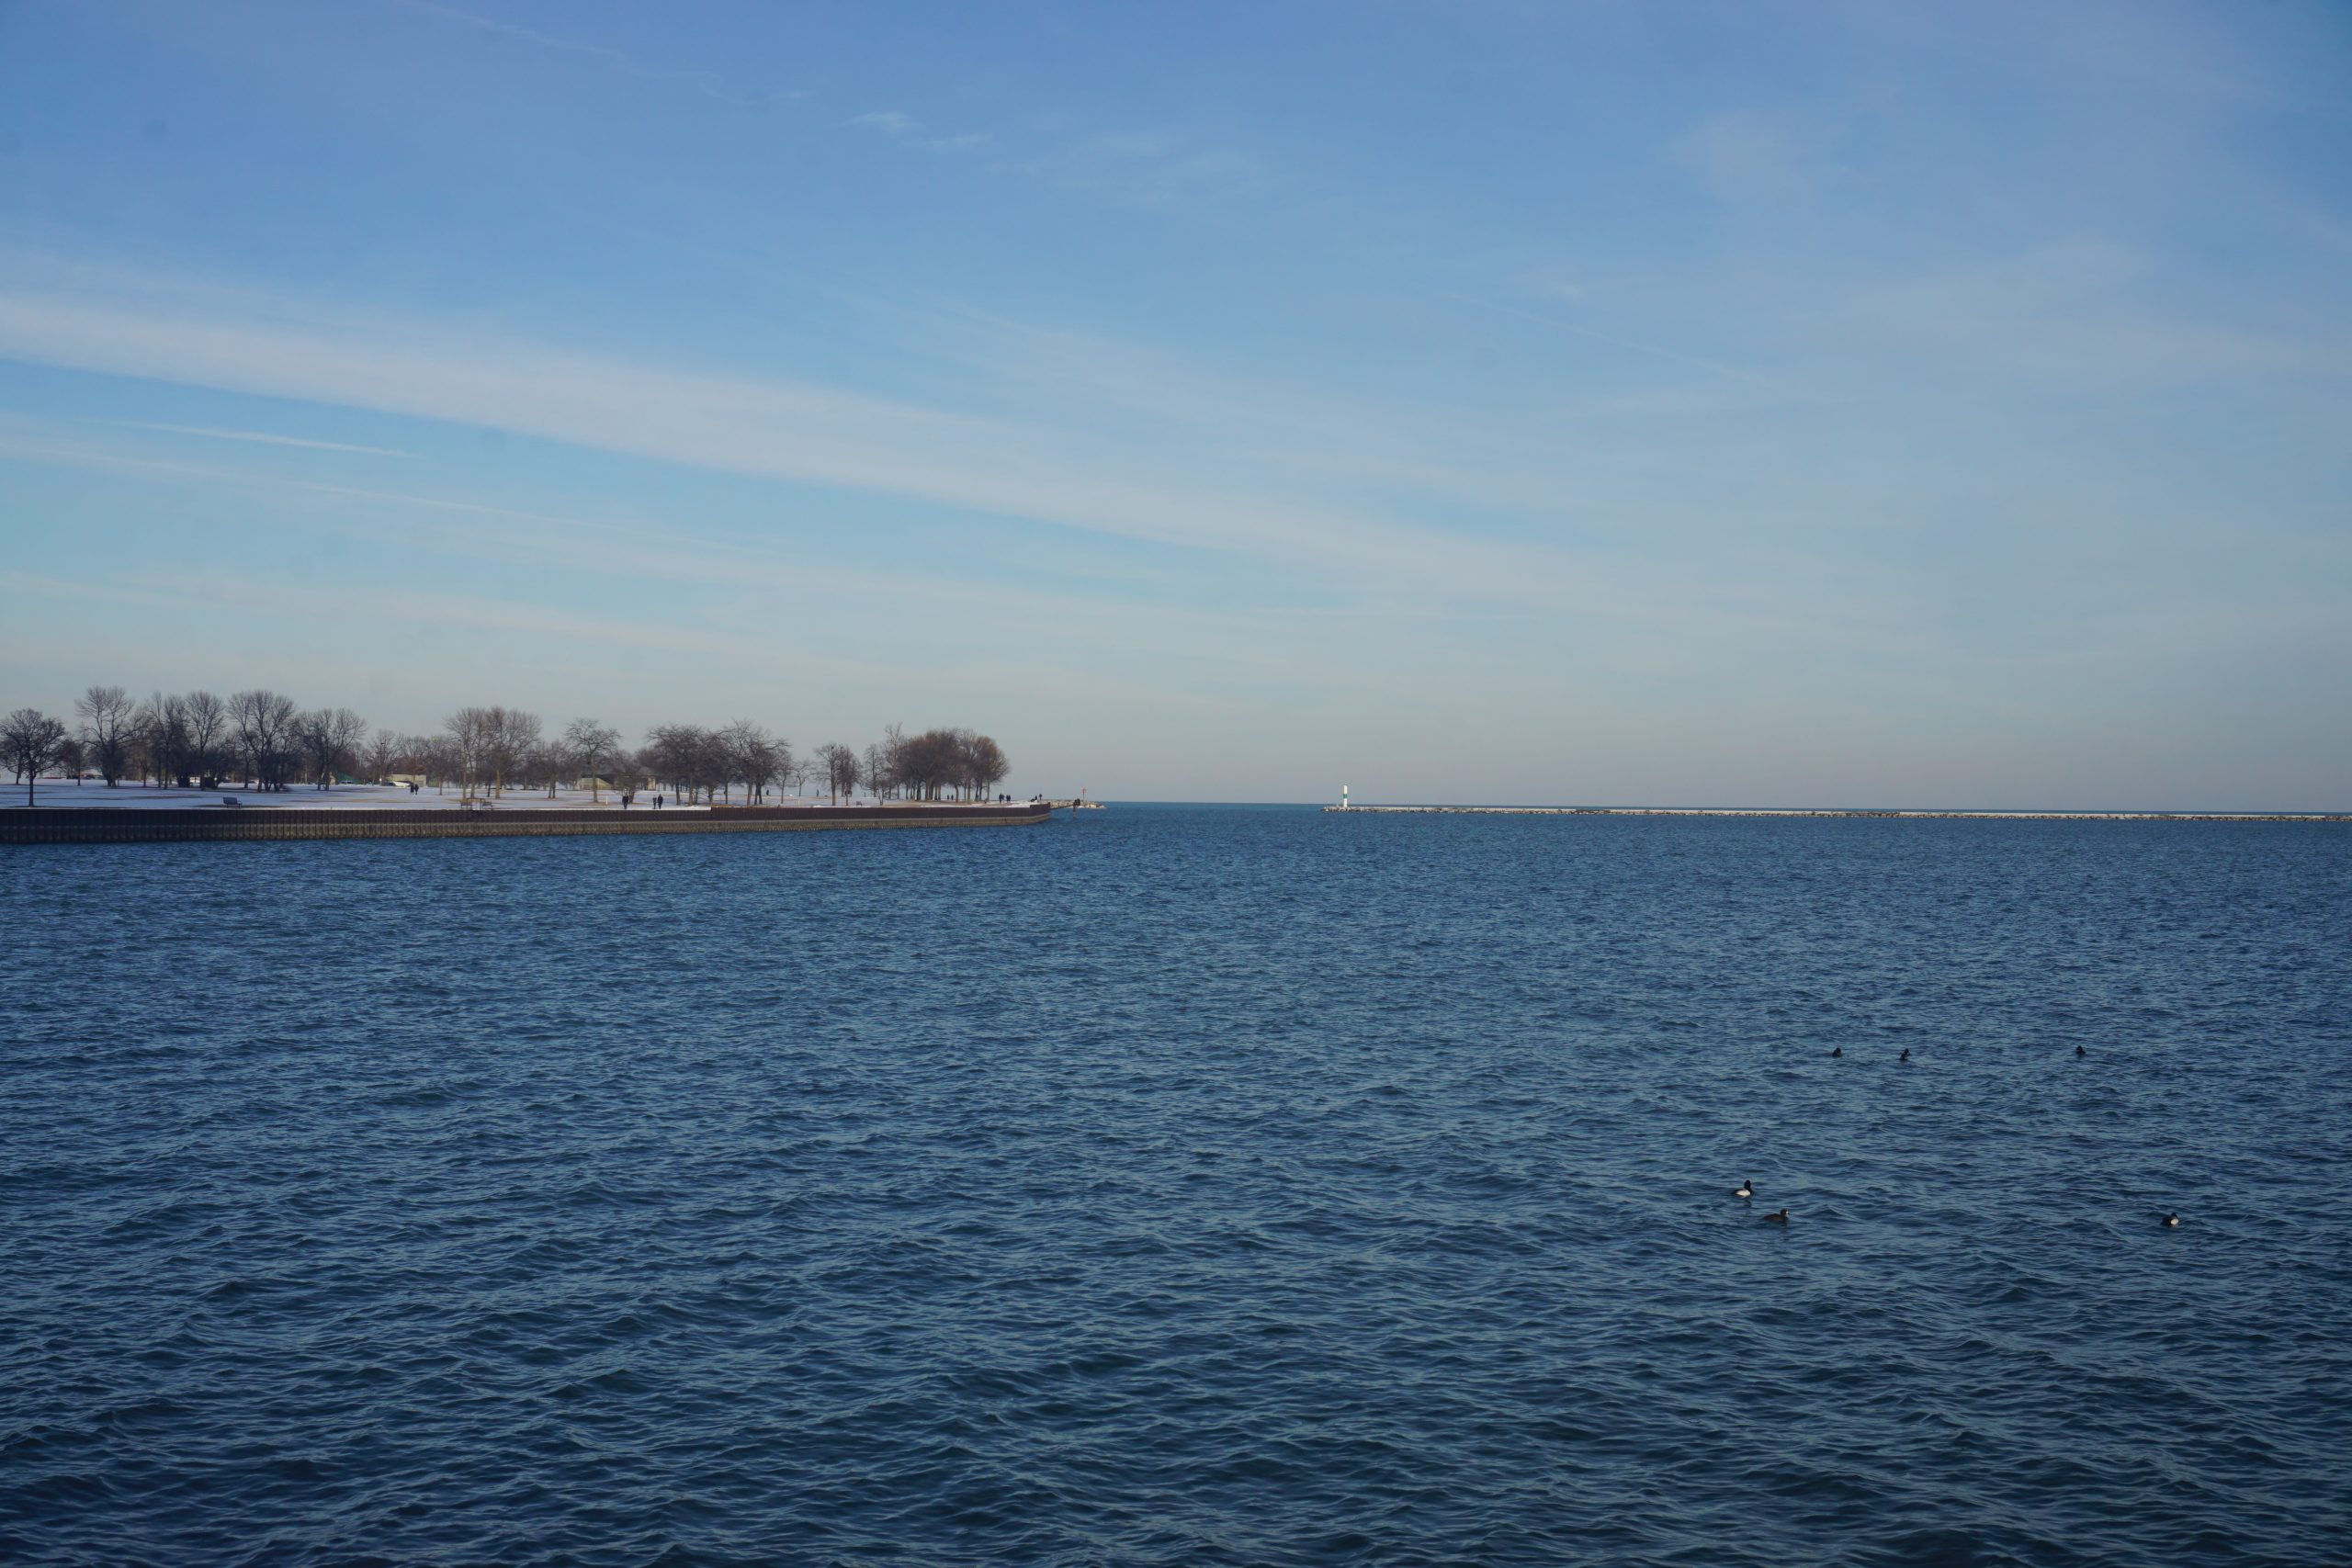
106 825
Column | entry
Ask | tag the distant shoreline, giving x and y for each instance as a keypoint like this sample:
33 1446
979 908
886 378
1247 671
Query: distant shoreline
1854 812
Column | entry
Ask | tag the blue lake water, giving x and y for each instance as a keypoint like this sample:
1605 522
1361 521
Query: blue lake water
1185 1185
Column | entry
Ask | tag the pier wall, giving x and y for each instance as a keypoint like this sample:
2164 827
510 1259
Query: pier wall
108 825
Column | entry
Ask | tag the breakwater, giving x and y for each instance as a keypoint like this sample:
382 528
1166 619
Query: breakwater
1827 811
100 824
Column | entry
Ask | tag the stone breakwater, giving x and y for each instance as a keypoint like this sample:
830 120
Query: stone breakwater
100 824
1807 811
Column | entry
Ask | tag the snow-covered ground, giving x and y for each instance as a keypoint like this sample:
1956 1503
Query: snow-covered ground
132 797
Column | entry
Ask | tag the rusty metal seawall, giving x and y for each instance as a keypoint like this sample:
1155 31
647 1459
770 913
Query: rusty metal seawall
110 825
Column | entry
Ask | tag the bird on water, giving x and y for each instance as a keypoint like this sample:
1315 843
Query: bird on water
1742 1190
1780 1219
1837 1050
1906 1053
2080 1052
2172 1221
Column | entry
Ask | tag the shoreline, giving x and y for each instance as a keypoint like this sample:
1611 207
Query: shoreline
1845 812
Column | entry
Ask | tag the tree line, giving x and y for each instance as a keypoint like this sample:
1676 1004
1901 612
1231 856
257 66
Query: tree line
267 741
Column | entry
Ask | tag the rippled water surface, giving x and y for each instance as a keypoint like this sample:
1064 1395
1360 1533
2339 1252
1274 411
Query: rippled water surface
1183 1185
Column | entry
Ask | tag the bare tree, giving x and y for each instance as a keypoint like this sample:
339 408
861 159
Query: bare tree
687 756
314 739
592 746
146 746
754 756
438 756
894 757
467 734
382 757
628 776
512 736
489 744
105 713
162 729
30 740
938 762
986 762
208 730
839 765
695 761
263 722
328 738
706 765
646 761
736 742
877 770
547 765
663 755
931 763
782 767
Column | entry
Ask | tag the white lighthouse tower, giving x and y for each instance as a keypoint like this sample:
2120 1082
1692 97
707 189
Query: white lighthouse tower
1343 798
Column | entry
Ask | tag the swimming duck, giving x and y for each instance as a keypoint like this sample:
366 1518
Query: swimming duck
1780 1219
2172 1221
1837 1050
2080 1052
1742 1190
1906 1053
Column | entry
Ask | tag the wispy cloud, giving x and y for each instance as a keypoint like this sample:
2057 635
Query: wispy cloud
1743 157
635 551
907 128
1040 471
1156 168
2082 312
710 83
1716 367
260 437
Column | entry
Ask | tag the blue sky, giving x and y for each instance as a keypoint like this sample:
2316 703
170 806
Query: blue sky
1737 404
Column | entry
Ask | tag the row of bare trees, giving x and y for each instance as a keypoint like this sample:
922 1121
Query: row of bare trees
705 763
258 737
936 765
267 741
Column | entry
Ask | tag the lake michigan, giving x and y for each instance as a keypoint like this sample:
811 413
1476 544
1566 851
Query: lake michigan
1184 1185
